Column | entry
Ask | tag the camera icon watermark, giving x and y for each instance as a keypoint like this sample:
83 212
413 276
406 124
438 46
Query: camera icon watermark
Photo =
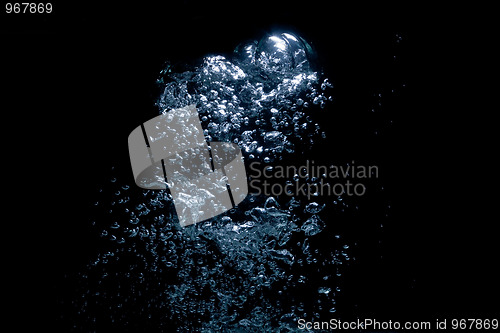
170 151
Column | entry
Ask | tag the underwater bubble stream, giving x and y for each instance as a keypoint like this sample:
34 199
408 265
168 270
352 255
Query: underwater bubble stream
255 268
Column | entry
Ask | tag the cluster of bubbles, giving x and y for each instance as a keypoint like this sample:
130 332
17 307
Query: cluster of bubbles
258 99
258 267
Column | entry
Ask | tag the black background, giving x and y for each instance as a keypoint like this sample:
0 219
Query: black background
77 81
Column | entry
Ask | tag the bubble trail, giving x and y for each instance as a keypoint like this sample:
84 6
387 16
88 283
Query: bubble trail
256 268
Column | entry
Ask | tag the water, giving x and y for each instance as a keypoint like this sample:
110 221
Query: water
258 267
